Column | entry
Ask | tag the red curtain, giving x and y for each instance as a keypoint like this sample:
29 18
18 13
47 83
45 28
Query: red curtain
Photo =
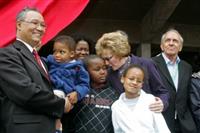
57 13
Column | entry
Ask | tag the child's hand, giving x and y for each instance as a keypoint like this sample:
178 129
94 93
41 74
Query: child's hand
73 97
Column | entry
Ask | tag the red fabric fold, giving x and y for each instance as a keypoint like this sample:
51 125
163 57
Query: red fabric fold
58 14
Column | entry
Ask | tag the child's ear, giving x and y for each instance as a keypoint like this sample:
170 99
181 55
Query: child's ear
122 80
72 54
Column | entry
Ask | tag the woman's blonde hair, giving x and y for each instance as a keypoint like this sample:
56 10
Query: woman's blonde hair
116 41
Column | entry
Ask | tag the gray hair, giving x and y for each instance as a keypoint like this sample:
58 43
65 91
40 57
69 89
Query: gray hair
22 14
172 30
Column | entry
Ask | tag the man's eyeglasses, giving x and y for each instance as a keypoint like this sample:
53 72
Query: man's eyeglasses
36 23
107 58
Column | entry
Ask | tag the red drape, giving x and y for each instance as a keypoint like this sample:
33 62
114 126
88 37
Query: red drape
57 13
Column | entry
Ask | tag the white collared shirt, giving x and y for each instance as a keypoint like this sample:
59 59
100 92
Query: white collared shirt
173 69
26 44
31 50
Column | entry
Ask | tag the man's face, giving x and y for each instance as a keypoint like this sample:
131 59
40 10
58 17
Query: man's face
32 28
171 44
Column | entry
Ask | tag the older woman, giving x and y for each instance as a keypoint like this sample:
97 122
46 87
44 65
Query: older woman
114 48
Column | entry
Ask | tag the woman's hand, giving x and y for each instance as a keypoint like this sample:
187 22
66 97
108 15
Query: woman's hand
157 106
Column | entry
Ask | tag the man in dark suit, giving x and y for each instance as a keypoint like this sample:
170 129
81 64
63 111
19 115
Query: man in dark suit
28 104
175 74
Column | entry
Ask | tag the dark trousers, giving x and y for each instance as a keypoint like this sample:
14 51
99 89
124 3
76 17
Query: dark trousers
177 126
68 125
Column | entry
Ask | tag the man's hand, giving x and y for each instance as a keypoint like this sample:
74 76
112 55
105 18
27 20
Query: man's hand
68 105
73 97
157 106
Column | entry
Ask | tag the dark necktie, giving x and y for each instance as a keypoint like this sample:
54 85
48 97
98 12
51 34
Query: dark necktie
37 58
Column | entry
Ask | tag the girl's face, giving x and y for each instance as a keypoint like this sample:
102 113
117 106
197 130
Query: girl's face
82 49
132 82
62 53
111 59
97 71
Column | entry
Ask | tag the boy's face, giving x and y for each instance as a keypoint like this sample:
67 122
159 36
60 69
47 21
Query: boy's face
132 82
97 70
62 53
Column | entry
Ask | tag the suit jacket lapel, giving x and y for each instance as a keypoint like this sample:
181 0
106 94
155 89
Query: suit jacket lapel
181 70
27 54
164 70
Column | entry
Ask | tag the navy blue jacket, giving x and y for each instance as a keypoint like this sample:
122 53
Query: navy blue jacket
69 77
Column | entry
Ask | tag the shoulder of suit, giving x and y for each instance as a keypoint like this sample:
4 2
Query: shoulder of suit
8 50
157 58
185 63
